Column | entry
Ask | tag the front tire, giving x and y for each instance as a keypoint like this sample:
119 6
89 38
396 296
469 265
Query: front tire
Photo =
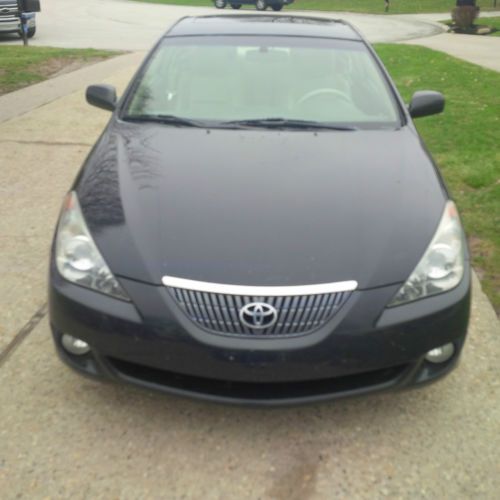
261 5
236 6
277 7
220 4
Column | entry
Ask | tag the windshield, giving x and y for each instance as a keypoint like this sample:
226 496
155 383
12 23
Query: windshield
221 79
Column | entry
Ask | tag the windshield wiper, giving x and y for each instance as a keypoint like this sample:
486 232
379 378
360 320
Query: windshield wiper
288 123
258 122
166 119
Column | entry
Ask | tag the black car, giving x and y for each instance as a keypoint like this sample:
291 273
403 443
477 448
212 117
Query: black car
276 5
260 223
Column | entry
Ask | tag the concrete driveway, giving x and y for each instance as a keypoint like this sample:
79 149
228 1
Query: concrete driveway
62 436
122 24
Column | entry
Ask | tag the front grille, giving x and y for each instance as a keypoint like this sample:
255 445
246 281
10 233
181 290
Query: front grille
8 10
296 315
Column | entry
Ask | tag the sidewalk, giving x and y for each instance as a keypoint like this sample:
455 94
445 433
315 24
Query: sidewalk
24 100
42 149
443 16
481 50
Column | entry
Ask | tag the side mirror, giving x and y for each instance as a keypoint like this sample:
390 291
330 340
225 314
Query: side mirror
101 96
425 103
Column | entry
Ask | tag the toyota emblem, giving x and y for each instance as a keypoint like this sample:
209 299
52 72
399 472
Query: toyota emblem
258 315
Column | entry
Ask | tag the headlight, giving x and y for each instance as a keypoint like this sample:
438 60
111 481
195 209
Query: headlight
77 256
442 266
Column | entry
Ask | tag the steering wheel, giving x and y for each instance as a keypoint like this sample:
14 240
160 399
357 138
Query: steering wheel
333 92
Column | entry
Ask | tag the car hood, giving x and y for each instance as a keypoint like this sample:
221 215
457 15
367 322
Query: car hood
260 207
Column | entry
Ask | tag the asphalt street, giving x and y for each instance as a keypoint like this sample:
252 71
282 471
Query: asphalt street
127 25
63 436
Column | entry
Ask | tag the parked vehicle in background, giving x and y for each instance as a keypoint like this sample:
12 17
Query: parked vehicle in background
10 18
276 5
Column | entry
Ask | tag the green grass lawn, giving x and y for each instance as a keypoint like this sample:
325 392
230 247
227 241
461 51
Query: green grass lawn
464 141
493 22
368 6
21 66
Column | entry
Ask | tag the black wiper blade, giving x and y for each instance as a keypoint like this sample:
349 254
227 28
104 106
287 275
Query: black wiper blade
166 119
289 123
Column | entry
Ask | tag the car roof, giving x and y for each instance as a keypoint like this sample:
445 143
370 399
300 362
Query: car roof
245 24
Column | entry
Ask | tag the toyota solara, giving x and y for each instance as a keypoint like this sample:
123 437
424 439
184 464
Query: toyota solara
260 223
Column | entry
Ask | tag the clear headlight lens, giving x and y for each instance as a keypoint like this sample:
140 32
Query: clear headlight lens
77 256
442 266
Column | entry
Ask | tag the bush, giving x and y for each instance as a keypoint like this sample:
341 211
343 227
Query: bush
464 16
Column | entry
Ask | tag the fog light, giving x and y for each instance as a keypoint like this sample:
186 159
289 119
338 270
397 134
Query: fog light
74 345
440 354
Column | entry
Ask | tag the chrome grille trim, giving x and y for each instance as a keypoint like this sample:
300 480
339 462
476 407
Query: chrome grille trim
297 314
260 291
8 10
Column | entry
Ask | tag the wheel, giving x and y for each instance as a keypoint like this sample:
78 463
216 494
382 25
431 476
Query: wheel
236 5
277 6
261 4
220 4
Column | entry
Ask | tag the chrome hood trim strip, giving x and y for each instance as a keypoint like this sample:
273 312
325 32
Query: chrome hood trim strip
259 291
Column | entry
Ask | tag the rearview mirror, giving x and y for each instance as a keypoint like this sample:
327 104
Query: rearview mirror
101 96
425 103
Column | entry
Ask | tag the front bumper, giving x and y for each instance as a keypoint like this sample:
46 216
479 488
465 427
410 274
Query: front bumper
10 26
13 25
360 350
